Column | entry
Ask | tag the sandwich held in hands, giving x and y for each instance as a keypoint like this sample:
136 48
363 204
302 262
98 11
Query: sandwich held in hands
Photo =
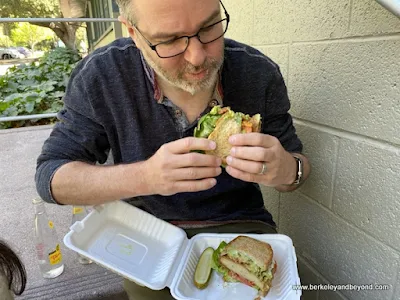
222 122
248 261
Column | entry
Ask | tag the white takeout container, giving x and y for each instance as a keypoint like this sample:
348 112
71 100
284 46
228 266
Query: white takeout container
157 254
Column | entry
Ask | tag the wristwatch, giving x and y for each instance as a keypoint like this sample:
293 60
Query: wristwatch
299 170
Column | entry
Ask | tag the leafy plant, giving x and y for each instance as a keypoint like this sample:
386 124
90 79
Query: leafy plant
28 34
37 87
5 41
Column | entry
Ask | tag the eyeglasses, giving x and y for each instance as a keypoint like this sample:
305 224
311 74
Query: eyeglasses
179 45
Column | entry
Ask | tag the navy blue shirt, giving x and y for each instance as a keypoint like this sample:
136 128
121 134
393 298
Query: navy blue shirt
110 105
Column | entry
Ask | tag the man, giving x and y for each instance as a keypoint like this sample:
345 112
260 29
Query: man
142 97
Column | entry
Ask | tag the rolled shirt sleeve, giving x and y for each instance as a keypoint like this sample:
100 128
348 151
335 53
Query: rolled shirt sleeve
77 136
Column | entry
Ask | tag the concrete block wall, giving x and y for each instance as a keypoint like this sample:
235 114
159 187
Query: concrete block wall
341 63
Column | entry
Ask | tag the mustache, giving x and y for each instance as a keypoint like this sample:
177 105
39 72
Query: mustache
208 64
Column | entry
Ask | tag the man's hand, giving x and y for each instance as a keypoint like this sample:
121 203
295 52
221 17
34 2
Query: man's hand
175 169
251 150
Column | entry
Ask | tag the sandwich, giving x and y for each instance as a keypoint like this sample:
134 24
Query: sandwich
248 261
222 122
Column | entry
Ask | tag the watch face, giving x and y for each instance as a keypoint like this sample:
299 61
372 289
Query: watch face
299 171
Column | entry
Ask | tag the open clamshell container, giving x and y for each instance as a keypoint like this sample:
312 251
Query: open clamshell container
157 254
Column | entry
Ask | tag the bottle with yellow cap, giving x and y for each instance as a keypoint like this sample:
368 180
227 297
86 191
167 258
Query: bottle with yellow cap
47 245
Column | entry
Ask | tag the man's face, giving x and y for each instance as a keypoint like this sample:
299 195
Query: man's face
162 20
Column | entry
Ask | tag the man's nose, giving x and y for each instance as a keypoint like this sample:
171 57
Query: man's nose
195 52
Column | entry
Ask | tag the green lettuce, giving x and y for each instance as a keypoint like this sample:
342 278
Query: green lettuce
239 117
207 123
215 264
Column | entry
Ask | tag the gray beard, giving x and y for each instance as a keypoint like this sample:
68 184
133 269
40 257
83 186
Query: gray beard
187 86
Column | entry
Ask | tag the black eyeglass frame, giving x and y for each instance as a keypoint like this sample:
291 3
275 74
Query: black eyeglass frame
153 47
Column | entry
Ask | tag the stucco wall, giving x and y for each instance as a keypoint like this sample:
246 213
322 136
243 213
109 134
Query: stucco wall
341 63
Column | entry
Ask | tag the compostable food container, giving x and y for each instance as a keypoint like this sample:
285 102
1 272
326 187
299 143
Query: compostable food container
157 254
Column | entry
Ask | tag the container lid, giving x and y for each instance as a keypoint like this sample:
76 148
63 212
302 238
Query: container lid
130 242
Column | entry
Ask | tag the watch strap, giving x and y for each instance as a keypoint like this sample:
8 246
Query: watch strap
299 169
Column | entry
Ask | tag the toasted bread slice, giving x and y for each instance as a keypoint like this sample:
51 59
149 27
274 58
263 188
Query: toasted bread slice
259 252
224 128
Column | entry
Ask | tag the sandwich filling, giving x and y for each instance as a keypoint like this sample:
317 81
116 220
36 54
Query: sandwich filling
236 266
221 123
208 122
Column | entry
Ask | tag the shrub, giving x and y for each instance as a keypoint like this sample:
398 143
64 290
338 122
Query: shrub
5 41
37 87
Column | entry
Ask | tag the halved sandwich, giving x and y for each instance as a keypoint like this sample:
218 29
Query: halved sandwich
222 122
248 261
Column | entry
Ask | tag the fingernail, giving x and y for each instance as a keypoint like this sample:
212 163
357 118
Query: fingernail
232 139
213 145
233 151
229 159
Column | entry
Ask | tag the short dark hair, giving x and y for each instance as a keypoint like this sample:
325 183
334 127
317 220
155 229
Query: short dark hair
12 268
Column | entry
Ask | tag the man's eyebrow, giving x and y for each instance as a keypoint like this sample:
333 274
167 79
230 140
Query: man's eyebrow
165 35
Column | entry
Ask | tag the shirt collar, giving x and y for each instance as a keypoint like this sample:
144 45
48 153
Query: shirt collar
158 95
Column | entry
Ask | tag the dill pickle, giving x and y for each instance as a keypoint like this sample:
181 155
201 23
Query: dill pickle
203 271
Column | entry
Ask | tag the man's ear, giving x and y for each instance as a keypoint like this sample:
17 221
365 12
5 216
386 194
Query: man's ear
127 25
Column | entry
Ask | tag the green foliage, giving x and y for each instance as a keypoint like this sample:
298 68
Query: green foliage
29 8
5 41
36 88
48 9
26 34
46 45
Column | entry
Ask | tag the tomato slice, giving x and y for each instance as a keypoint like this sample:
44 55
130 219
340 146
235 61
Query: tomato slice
247 126
241 279
223 110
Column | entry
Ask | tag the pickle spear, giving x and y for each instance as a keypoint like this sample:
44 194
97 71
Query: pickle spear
203 271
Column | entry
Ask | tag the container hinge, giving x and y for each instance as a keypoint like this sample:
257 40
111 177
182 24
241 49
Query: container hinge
77 226
179 260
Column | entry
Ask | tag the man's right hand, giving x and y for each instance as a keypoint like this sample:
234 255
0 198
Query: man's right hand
175 169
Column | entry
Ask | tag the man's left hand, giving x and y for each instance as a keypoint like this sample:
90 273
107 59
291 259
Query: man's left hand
251 150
